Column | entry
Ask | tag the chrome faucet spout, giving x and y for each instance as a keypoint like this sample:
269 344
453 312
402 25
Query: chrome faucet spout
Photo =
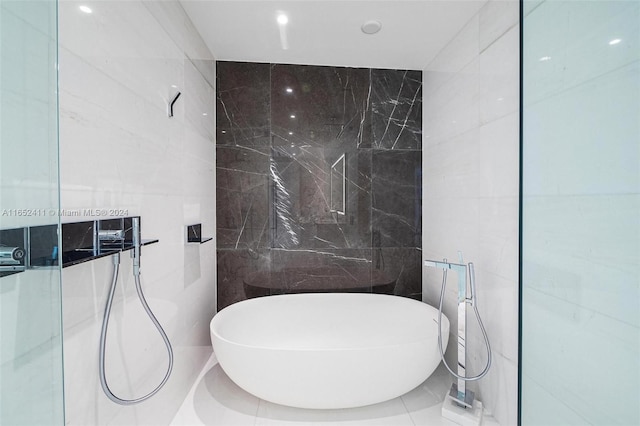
458 268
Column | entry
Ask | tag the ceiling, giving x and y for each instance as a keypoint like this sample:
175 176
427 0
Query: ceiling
328 32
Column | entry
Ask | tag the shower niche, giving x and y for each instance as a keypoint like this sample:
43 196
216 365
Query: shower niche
89 240
30 247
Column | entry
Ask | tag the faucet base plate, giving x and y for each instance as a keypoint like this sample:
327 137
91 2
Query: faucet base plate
464 416
464 400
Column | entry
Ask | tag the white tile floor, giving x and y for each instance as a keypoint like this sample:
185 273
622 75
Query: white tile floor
214 400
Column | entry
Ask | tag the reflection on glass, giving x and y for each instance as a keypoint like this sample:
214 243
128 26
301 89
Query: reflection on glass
31 391
338 183
580 252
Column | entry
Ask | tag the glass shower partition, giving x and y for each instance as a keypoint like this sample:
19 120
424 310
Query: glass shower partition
580 213
31 376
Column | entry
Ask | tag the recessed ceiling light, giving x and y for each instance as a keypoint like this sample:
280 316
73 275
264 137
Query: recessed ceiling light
615 41
283 19
290 133
371 27
85 9
205 114
289 90
545 58
292 116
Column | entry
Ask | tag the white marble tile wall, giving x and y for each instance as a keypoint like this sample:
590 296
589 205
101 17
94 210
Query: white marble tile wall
470 194
119 66
581 293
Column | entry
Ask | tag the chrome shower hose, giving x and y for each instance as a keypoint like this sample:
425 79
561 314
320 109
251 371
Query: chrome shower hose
103 338
484 333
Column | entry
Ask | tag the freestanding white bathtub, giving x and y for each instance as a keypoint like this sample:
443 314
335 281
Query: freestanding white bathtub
328 350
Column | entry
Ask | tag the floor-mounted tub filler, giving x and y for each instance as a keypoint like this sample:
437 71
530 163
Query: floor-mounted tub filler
460 405
328 350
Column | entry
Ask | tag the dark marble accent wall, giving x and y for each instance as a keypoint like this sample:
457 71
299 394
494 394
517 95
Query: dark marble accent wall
280 130
243 149
396 106
396 185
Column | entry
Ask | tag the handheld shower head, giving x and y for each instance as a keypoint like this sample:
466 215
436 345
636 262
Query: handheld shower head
472 284
135 253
